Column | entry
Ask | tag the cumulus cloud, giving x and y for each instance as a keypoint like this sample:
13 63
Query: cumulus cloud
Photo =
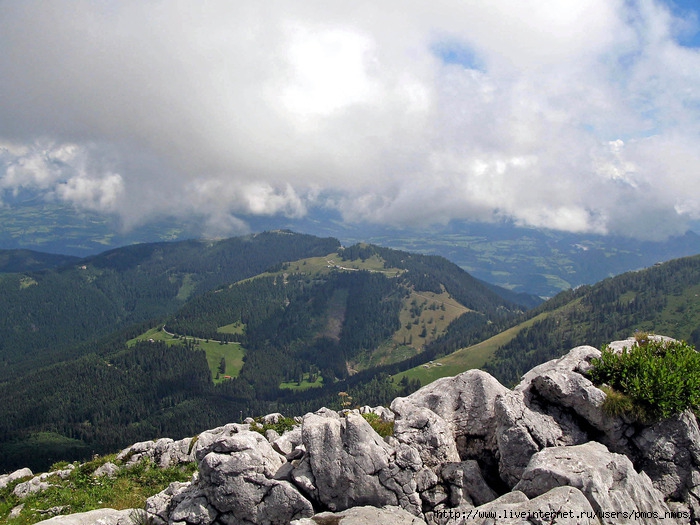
575 115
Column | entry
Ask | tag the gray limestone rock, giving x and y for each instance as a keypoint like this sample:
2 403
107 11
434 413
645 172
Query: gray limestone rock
109 469
425 431
521 432
608 481
236 484
96 517
669 452
467 403
562 505
288 441
32 486
6 479
347 464
363 516
164 452
342 462
160 506
466 484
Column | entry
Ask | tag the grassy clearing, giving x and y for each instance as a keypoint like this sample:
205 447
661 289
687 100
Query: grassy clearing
81 492
236 328
186 288
424 317
155 334
317 266
464 359
232 352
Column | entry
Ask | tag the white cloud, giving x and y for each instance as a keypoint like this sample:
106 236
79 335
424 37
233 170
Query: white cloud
573 115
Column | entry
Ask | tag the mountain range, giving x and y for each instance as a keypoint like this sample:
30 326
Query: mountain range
536 261
170 338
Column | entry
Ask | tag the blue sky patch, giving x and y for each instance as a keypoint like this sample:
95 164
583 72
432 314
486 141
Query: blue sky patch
688 10
455 52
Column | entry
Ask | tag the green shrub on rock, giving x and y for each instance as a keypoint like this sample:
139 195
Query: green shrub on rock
381 427
651 380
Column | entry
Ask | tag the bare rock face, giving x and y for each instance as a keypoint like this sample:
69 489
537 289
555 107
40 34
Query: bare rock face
6 479
347 464
98 516
608 480
164 452
554 405
466 403
521 433
363 516
236 484
426 431
466 484
669 452
562 505
237 479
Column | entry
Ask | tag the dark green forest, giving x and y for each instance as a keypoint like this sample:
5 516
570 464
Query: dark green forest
662 299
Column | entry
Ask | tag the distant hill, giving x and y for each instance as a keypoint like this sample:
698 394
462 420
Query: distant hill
534 261
322 319
45 314
663 299
17 261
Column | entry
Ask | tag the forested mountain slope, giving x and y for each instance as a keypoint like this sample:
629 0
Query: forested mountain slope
14 261
330 322
663 299
44 315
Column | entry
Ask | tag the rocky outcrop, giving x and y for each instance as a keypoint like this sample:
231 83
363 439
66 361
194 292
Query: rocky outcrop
236 484
347 464
617 492
561 505
39 483
466 403
363 516
164 452
464 450
97 517
6 479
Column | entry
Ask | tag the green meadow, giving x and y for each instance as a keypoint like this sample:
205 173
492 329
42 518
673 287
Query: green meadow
232 353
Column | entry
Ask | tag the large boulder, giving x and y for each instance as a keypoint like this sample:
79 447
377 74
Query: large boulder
236 484
347 464
6 479
669 452
562 505
466 403
554 405
613 488
522 432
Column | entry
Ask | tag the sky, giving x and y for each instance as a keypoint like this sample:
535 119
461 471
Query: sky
576 115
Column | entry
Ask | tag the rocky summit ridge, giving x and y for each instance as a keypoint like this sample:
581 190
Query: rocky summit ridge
465 450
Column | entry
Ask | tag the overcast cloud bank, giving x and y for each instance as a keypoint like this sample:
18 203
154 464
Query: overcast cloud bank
577 115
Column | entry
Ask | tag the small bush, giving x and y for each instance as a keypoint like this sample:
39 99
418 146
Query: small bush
616 403
659 378
381 427
283 425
